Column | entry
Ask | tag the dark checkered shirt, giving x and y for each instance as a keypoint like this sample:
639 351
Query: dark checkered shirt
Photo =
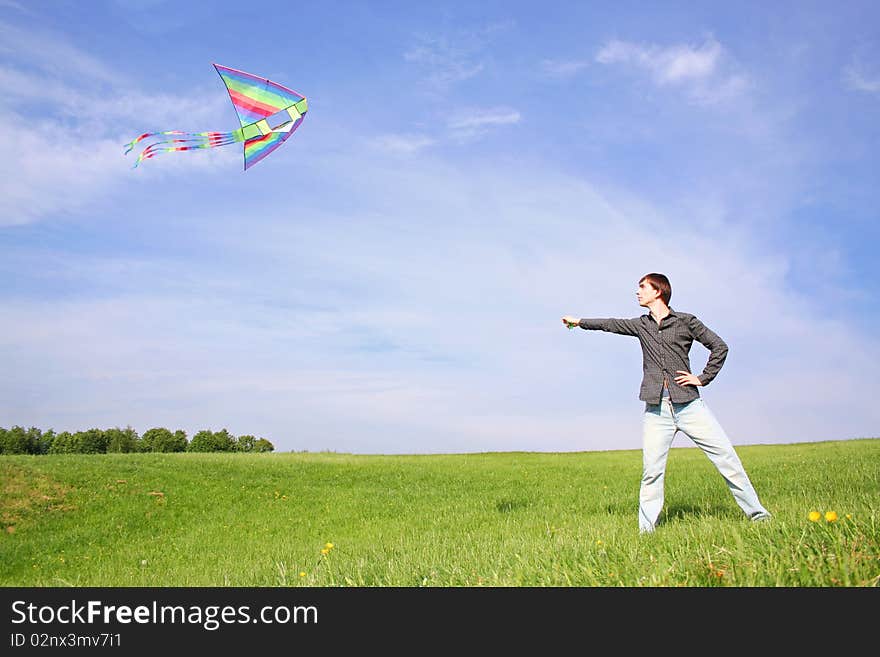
665 350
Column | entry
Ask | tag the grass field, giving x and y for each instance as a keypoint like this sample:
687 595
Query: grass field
495 519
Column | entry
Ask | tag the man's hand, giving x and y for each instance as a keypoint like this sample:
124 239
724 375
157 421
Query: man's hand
687 379
570 322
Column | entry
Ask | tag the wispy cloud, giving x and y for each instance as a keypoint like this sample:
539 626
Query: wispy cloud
447 64
862 72
667 65
54 56
452 58
702 70
402 144
462 126
12 4
565 68
474 122
857 78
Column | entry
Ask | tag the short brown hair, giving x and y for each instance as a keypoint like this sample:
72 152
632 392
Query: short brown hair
660 283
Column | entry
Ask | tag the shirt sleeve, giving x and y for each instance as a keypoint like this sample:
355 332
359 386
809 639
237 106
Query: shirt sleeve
716 346
612 325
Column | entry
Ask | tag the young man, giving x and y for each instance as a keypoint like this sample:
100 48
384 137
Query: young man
672 401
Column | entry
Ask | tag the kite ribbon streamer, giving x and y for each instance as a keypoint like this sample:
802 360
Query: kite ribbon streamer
182 141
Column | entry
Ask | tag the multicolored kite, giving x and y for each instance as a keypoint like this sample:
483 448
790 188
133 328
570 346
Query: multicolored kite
269 114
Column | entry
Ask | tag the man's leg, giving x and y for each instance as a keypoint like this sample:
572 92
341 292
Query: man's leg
698 422
657 434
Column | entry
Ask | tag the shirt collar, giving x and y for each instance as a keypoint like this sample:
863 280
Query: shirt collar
671 314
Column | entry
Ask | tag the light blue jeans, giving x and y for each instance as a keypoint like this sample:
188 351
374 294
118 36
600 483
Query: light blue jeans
696 421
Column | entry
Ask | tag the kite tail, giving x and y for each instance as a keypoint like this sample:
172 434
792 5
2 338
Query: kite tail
182 141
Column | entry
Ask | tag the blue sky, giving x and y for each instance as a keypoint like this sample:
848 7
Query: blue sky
392 279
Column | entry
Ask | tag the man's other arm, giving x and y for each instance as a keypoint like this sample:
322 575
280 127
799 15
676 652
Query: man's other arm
716 346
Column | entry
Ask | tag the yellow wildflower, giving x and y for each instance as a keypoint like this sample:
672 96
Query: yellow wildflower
830 516
329 546
814 516
324 551
302 574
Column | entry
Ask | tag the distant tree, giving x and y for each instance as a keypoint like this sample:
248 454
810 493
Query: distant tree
224 441
34 439
15 441
44 444
91 441
180 440
212 441
122 440
18 440
170 442
63 444
154 435
263 445
202 441
245 443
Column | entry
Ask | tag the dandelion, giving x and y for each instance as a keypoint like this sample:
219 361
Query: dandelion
598 542
325 551
302 574
830 516
814 516
329 546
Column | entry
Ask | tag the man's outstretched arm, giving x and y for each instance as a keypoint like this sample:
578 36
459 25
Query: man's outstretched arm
612 325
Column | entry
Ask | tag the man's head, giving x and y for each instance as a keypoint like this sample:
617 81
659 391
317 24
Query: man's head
653 287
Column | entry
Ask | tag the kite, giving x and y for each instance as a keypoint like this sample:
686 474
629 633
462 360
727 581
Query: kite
269 113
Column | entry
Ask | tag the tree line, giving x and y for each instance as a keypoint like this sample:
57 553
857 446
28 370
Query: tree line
19 440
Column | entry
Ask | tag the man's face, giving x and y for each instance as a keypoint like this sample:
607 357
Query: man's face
646 293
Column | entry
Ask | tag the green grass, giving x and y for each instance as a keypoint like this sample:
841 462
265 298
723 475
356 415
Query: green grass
497 519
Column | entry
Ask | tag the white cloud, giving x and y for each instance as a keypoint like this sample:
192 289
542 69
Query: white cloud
670 65
403 144
455 57
462 126
51 170
862 73
564 68
54 56
12 4
447 65
858 80
473 122
702 70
